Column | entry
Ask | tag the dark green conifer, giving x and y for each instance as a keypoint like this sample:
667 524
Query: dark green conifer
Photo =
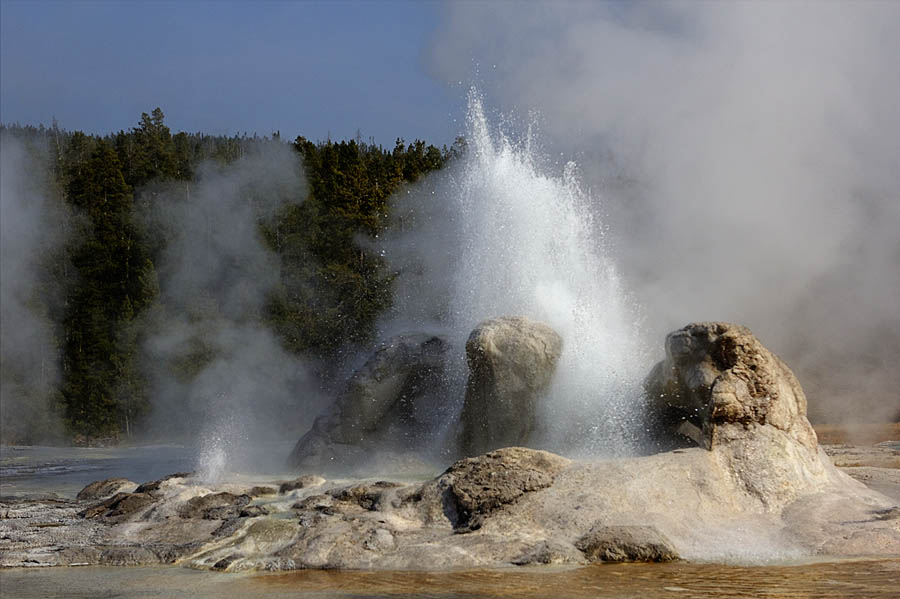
115 280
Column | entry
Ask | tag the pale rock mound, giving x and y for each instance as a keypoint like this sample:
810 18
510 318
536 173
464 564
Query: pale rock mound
758 490
719 378
511 362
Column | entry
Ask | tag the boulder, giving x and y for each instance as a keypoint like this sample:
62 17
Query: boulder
626 544
389 402
106 488
511 364
718 381
304 482
156 485
549 552
119 506
473 488
214 506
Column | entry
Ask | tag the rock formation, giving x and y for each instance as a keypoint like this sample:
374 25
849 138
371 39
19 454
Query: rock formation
718 381
388 403
511 364
759 489
626 544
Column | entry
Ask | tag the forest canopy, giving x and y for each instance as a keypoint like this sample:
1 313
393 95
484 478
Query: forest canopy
96 292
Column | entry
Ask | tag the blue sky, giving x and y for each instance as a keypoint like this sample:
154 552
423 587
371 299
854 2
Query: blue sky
304 68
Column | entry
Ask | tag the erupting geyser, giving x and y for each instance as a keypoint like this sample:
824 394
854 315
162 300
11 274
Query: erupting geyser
499 235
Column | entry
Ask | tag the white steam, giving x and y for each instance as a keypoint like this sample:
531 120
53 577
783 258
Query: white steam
220 373
748 155
32 229
499 236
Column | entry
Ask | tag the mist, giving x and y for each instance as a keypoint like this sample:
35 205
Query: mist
745 155
499 234
218 375
31 231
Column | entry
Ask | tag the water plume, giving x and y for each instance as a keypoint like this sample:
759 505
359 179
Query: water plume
747 157
501 234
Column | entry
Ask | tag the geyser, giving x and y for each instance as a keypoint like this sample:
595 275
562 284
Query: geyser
500 234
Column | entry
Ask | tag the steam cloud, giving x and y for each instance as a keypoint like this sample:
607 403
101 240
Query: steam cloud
496 235
29 234
219 372
747 158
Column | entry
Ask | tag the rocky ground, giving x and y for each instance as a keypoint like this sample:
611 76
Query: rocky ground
756 486
512 506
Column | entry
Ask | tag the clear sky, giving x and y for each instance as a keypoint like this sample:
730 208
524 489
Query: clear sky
304 68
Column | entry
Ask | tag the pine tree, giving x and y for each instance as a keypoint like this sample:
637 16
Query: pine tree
115 281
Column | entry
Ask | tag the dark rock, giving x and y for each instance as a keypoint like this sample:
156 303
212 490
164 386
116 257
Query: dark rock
253 511
511 361
214 506
473 488
549 552
260 490
314 502
105 488
169 554
626 544
154 485
888 514
223 563
118 506
366 496
390 401
304 482
720 379
227 528
128 556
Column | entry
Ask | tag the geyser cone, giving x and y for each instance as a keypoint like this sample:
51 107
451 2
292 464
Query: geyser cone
516 240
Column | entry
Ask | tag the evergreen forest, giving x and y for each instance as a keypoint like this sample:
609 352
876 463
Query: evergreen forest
98 290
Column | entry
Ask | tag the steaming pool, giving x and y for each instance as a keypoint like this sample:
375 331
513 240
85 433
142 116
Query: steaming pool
64 471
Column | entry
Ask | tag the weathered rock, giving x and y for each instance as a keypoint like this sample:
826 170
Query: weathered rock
758 488
155 485
318 503
118 506
105 488
550 552
511 362
366 495
303 482
214 506
260 490
722 380
128 555
389 402
517 506
253 511
626 544
473 488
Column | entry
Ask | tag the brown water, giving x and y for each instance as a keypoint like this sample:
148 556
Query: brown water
875 579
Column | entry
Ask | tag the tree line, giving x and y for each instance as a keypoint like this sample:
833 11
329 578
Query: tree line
95 287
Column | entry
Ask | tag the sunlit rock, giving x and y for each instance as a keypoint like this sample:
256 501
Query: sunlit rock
473 488
758 490
718 381
106 488
511 361
626 544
